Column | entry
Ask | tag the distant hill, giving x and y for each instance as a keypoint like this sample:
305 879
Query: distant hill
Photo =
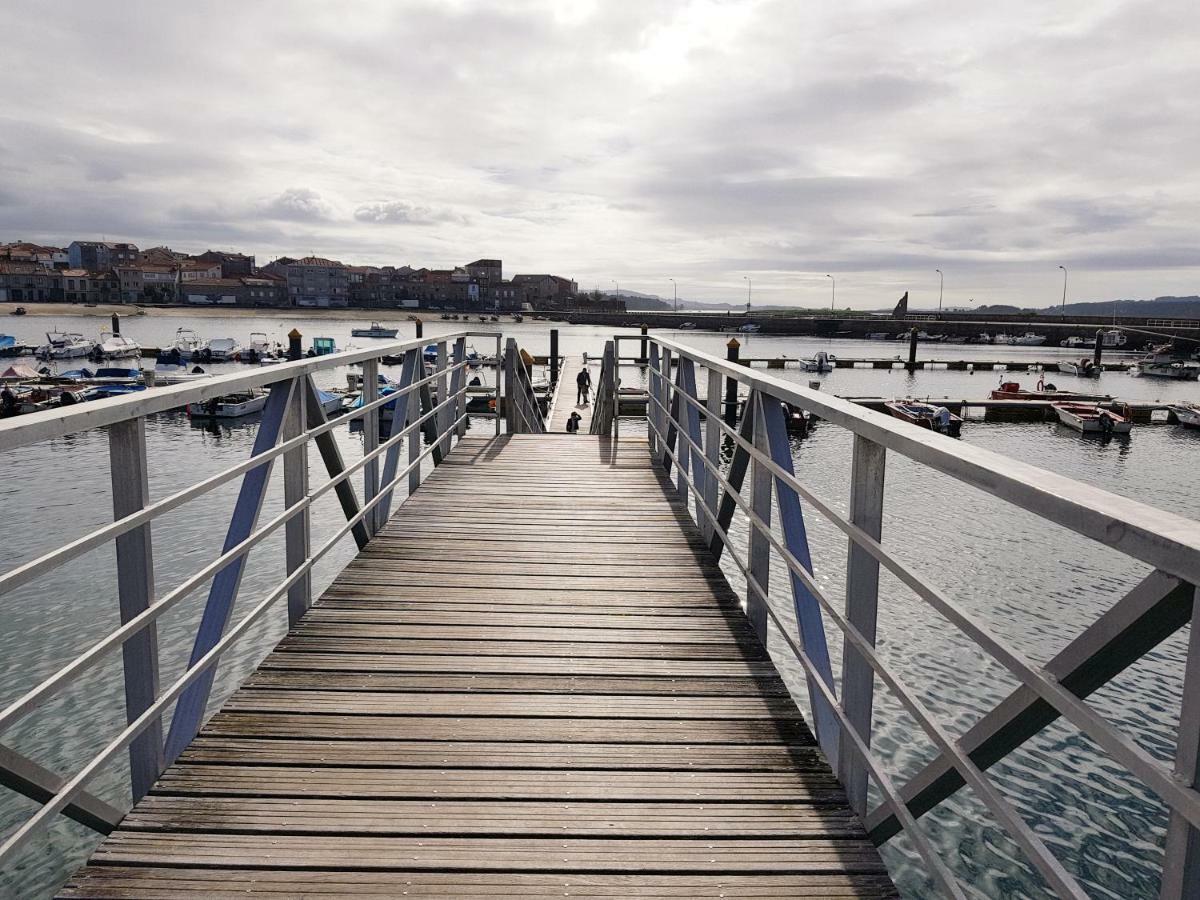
1158 308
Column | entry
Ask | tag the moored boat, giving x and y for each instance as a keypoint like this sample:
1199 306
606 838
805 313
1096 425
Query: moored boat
116 346
187 343
687 326
375 331
1166 362
926 415
821 362
1084 368
1011 390
220 350
230 406
1186 412
1029 339
1089 418
64 345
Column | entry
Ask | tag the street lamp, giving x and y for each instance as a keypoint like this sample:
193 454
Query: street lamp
941 284
614 281
832 292
1064 303
675 292
749 288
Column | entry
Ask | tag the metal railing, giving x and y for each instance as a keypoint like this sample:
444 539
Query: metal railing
429 401
686 430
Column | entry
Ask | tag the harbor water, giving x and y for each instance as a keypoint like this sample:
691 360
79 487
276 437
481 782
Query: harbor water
1034 585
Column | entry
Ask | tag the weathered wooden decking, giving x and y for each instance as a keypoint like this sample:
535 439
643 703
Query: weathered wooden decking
533 682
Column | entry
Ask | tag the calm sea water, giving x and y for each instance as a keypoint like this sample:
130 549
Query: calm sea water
1033 584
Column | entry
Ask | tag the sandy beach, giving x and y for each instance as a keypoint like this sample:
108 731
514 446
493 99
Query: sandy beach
208 312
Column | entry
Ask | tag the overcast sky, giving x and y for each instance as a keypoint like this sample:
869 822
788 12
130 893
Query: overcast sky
705 141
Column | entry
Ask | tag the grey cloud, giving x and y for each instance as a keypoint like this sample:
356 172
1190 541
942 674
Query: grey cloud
398 212
296 205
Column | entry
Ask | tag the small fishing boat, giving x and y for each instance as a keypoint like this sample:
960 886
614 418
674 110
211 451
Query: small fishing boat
687 326
1187 413
187 343
430 353
750 328
169 373
100 391
822 362
224 349
1074 342
230 406
64 345
1029 339
1011 390
115 346
1089 418
333 404
19 311
1084 368
517 317
926 415
375 331
114 375
10 347
1165 362
1114 338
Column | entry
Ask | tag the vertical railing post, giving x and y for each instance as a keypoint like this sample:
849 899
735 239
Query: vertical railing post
1181 865
712 450
499 380
664 397
297 531
651 396
862 602
610 350
457 382
445 413
135 590
370 425
690 422
510 384
759 554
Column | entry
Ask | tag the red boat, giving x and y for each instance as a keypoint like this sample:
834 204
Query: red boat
1011 390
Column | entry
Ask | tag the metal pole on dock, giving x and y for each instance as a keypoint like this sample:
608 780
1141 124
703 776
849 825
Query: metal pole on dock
116 323
644 356
733 351
294 350
912 350
554 356
1099 350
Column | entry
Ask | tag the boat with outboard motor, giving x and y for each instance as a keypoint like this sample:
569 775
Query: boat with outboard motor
375 331
64 345
1011 390
115 346
821 362
926 415
230 406
1090 418
1186 412
1083 367
1167 362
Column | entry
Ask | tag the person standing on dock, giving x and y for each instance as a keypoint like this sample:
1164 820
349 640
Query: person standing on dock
573 422
584 382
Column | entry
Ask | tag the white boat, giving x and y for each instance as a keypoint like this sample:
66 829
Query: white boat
1089 418
822 362
166 373
687 326
1187 412
116 346
1163 363
749 328
1029 339
1114 338
879 336
231 406
221 349
187 342
1084 368
375 331
64 345
1074 342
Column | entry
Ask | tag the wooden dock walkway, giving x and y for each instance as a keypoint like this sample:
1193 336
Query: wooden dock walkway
532 682
566 393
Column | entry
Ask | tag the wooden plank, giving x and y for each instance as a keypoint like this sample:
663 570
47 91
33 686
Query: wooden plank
185 883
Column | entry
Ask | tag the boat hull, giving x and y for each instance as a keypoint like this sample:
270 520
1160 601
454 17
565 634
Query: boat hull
1091 420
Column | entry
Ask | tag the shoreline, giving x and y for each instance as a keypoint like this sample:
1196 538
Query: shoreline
106 310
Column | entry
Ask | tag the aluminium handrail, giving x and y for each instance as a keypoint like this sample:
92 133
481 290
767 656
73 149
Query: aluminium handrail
76 784
53 423
39 566
51 685
1161 539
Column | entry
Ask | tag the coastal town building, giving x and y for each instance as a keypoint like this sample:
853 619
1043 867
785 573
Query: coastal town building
233 265
25 252
313 280
97 255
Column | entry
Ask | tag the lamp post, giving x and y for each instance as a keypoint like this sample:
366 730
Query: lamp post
941 284
749 288
675 292
614 281
1064 302
832 292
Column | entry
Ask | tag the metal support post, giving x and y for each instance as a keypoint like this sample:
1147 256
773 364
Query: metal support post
297 530
135 589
